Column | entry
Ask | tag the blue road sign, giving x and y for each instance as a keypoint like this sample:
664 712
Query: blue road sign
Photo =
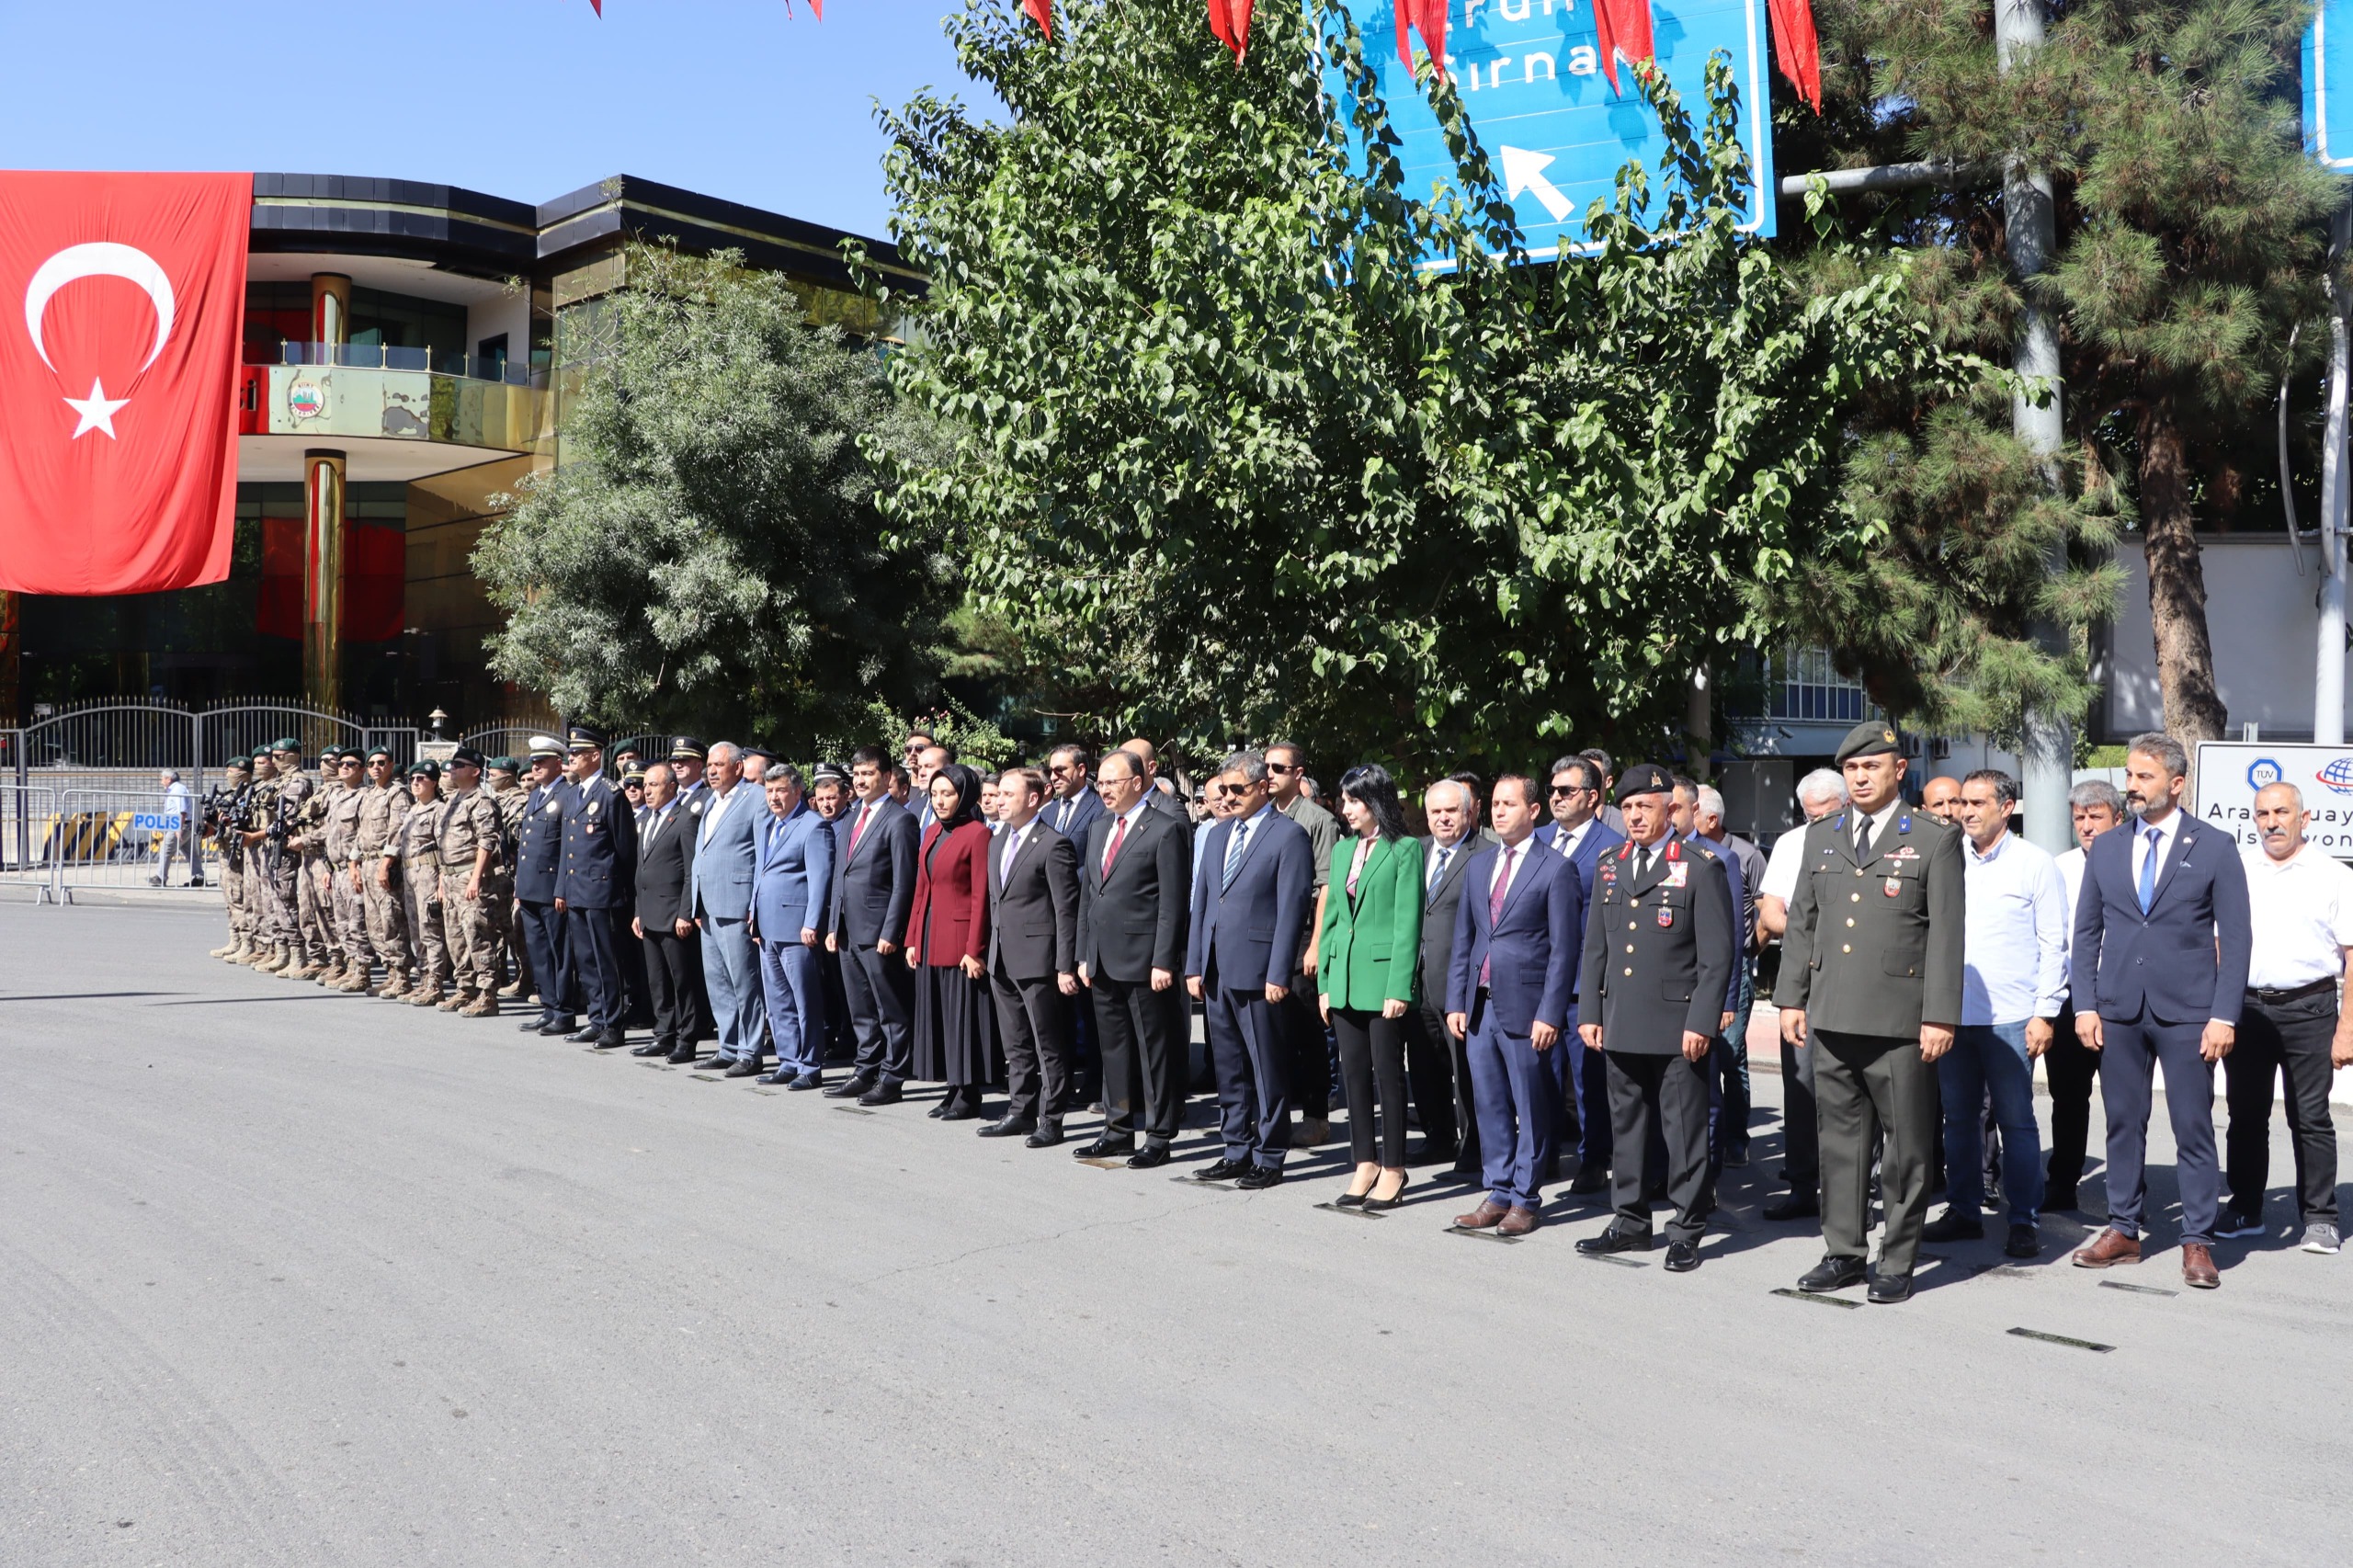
1529 71
155 821
2328 84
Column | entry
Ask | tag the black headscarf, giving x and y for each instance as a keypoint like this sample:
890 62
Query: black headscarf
968 796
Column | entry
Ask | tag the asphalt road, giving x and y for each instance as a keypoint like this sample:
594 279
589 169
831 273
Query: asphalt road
301 1278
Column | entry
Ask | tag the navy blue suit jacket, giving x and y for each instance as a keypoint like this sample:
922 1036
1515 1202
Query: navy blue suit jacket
874 884
1531 952
795 874
538 857
1081 814
1252 929
2183 962
1599 838
599 848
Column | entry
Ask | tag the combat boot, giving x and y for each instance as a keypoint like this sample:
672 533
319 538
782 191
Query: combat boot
483 1006
395 989
361 980
424 994
455 1000
514 991
331 977
224 950
309 969
289 962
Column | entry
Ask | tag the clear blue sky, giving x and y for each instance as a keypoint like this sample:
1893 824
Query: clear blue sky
522 98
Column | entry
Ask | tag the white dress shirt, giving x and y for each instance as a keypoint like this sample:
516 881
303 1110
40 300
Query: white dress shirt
1509 858
1442 855
2301 913
1111 821
717 809
2013 941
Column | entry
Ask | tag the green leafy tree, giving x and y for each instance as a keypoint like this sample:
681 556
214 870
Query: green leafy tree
1222 428
708 554
2191 248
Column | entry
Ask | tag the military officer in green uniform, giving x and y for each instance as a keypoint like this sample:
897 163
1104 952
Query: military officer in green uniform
1871 978
1658 952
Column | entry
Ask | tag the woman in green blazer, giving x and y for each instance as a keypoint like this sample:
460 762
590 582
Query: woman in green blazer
1370 957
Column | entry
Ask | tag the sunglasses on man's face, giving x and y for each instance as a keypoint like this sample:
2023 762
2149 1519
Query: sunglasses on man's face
1282 767
1559 789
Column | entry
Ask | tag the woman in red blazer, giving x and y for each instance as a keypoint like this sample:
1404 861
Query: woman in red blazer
947 937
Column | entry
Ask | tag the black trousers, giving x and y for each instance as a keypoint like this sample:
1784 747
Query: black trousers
2292 1035
543 933
2070 1071
1308 1076
1372 1075
595 959
1433 1079
1867 1087
1033 1023
882 996
671 961
1672 1093
1801 1124
1142 1032
838 1043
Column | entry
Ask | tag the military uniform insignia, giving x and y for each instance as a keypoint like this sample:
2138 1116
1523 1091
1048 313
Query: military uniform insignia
1894 886
1678 875
592 807
1665 916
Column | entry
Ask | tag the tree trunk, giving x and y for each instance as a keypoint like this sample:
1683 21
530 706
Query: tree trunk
2194 709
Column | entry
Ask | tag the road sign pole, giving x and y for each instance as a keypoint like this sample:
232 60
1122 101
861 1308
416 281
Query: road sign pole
2328 675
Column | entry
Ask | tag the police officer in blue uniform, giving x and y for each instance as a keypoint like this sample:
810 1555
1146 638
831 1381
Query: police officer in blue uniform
539 859
596 885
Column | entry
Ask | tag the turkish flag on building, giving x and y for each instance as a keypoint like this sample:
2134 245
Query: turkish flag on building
123 304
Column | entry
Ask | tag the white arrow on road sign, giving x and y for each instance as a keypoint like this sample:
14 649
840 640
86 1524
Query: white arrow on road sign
1524 170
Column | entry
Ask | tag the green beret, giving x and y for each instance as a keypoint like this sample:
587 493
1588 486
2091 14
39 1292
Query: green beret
1870 739
504 765
261 752
287 744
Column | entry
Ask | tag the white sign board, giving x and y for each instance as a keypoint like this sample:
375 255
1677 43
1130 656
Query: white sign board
2230 772
155 821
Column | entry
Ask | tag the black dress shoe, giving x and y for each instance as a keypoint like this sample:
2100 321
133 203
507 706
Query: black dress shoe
1048 1133
1833 1274
556 1029
1258 1178
807 1081
1889 1289
534 1026
683 1056
1614 1240
657 1046
783 1075
1152 1156
2023 1243
744 1067
881 1093
611 1040
1223 1170
1792 1207
1951 1227
1592 1179
1682 1257
585 1036
1011 1127
849 1088
1104 1148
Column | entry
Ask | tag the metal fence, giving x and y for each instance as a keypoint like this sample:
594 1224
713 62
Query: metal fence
28 815
117 838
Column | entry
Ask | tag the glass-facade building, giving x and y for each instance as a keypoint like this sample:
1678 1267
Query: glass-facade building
403 371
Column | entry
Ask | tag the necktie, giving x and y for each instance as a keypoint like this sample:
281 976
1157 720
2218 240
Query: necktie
1234 853
1119 836
1496 910
1642 863
857 828
1012 847
1863 844
1565 843
2149 871
1437 870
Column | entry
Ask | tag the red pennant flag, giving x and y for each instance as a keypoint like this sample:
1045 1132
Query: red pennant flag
1042 13
1796 50
1230 19
123 302
1625 29
1426 17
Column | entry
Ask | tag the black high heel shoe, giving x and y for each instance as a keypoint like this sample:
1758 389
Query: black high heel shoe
1372 1205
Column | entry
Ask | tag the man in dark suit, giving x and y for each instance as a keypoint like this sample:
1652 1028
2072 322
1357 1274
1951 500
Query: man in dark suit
1072 806
1435 1067
1870 978
2161 949
1132 883
1032 960
874 883
1508 991
539 859
664 918
1250 907
1578 835
596 886
1658 953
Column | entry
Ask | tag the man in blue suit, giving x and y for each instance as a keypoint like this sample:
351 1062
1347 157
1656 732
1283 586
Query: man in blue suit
1249 911
2161 947
1578 835
726 848
874 886
538 857
794 879
1508 995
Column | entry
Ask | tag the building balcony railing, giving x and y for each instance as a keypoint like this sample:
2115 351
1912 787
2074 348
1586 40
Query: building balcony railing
394 402
378 356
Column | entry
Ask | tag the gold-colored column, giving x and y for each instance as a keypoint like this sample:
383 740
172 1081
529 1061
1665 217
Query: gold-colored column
322 578
330 309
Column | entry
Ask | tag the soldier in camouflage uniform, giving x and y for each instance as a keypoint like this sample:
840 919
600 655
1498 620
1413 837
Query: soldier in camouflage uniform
314 906
296 791
343 876
474 882
230 852
507 793
420 873
277 793
384 810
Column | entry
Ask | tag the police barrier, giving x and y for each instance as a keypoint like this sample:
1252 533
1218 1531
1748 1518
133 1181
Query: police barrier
117 838
25 855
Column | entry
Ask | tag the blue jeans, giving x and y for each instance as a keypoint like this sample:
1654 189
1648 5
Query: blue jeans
1991 1057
